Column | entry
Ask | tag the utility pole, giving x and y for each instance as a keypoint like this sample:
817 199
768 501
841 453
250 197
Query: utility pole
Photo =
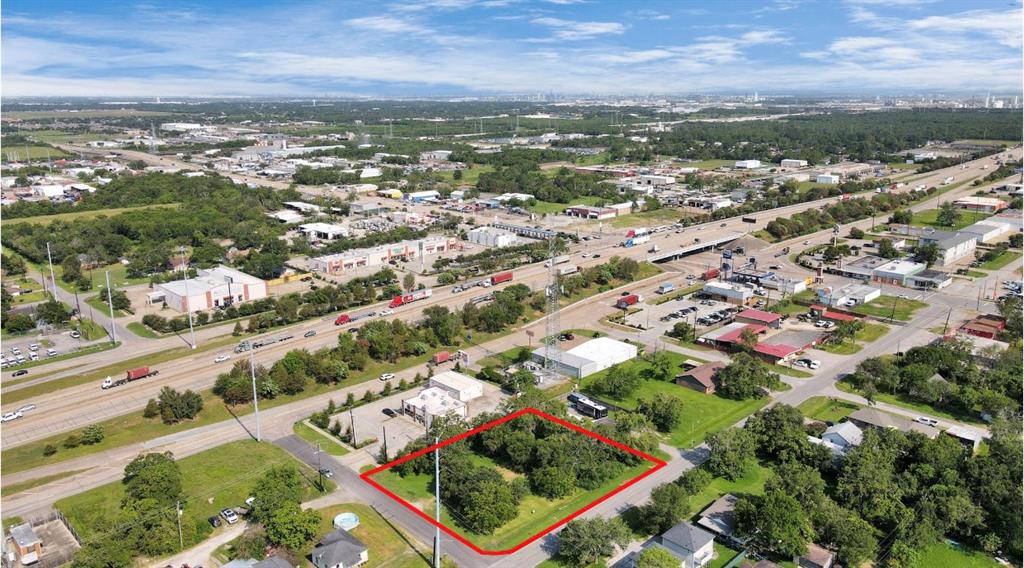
188 303
110 304
352 422
53 281
946 326
255 399
181 541
437 504
319 467
384 437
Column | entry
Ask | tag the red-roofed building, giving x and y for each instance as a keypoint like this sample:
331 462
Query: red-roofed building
733 335
986 325
775 353
825 313
759 317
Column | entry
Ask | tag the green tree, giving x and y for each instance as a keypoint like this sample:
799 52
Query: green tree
927 253
664 410
19 323
153 476
901 217
279 487
618 382
745 377
92 434
948 215
552 482
669 504
292 527
53 312
681 330
657 557
71 268
13 265
731 453
409 281
888 250
774 522
662 367
585 541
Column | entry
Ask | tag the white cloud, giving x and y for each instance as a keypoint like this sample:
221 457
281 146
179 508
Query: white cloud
385 24
574 30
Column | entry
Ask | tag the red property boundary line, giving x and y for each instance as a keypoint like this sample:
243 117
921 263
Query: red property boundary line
367 477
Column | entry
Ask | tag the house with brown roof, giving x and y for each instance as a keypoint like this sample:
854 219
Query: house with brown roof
702 379
870 418
815 557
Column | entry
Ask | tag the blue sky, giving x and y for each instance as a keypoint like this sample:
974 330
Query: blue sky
450 47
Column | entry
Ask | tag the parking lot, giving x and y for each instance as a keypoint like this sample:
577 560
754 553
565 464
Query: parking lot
697 313
371 421
59 343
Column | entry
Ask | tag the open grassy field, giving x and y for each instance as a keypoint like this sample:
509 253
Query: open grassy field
827 409
97 303
675 294
902 166
663 216
551 208
929 218
1001 260
62 137
211 480
703 414
882 307
327 443
535 513
80 215
469 176
19 152
709 164
752 483
29 297
946 554
869 333
142 331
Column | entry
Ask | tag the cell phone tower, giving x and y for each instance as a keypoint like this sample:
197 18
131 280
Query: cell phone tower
553 293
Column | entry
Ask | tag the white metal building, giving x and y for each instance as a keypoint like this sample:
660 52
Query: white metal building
788 163
431 403
747 164
896 271
421 196
831 179
489 236
323 231
461 387
731 292
591 357
378 256
217 287
858 293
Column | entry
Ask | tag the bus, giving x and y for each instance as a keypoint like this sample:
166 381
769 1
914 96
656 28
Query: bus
587 407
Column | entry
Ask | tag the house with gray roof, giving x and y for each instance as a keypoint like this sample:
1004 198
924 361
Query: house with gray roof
845 435
339 549
693 546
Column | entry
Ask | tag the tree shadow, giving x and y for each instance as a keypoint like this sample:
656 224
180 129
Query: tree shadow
239 420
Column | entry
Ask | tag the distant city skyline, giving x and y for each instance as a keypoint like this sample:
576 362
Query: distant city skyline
481 47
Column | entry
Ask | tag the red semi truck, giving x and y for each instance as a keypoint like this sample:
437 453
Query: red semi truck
409 298
710 274
627 301
342 319
129 376
501 277
441 357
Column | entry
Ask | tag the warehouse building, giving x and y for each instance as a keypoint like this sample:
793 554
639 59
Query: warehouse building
747 164
981 204
591 357
728 291
590 212
323 231
378 256
988 230
491 237
458 386
787 163
422 196
897 272
830 179
953 248
214 288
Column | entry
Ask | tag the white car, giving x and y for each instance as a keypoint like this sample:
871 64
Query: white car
386 312
33 347
814 364
927 421
800 363
10 416
221 358
51 352
33 356
387 376
229 516
75 335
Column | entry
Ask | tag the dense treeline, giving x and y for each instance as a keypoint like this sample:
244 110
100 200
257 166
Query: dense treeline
814 137
945 375
812 220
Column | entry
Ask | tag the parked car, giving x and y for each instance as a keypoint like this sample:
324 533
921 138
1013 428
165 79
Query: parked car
20 373
51 352
221 358
309 333
229 516
389 413
326 472
387 376
75 334
927 421
802 363
814 364
214 521
33 347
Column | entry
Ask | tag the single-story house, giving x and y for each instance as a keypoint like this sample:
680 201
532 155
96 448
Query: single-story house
339 549
815 557
693 546
845 435
702 378
988 326
822 312
720 518
971 439
871 418
273 562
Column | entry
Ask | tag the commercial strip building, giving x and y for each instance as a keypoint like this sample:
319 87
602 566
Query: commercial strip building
492 237
381 255
729 292
214 288
591 357
590 212
458 386
896 272
982 204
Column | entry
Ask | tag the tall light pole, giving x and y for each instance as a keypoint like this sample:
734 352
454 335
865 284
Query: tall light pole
188 299
110 303
53 281
319 467
437 504
255 400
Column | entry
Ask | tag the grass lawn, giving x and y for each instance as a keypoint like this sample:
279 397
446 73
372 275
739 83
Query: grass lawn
535 513
551 208
723 556
389 546
90 330
469 176
703 414
21 152
1001 260
211 480
663 216
901 166
871 331
314 437
709 164
686 344
79 215
752 483
946 554
142 331
827 409
905 401
789 372
61 137
929 218
101 306
28 298
882 307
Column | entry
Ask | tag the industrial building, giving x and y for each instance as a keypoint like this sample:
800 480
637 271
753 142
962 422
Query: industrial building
460 387
988 230
981 204
422 196
830 179
857 293
896 272
729 292
747 164
591 357
491 237
435 156
590 212
787 163
952 246
214 288
381 255
323 231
